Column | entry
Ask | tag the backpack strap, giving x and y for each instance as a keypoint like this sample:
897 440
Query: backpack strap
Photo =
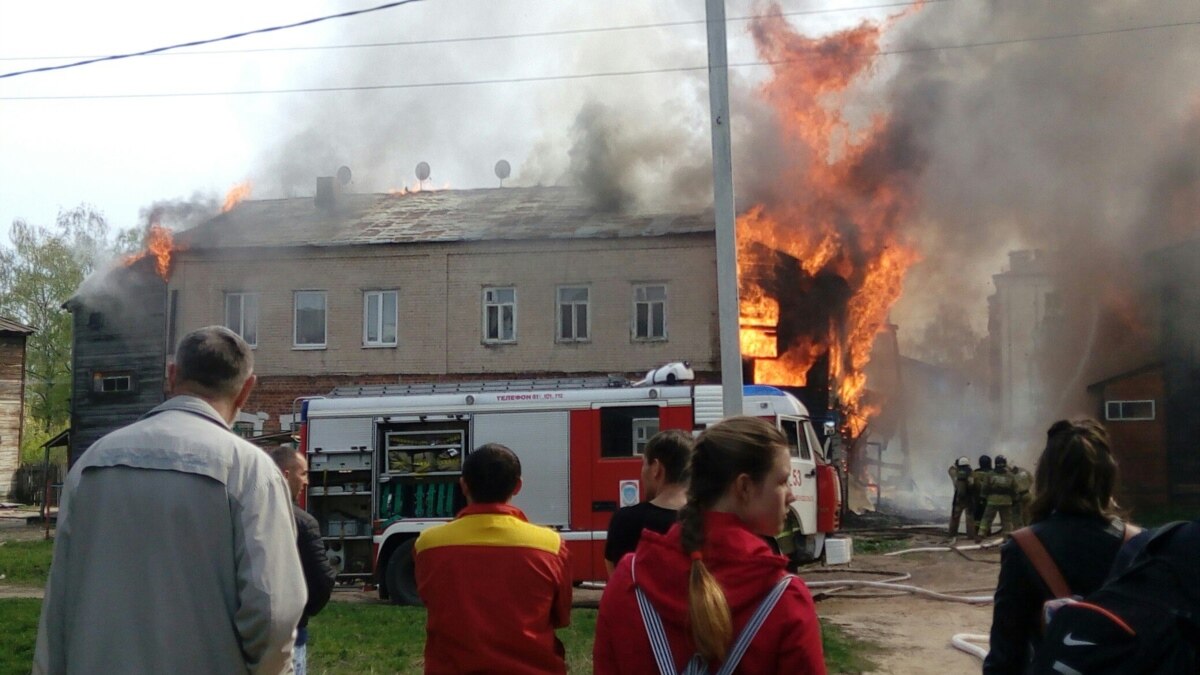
1042 562
654 629
753 625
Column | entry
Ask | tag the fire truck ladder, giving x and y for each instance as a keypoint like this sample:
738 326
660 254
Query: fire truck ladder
550 383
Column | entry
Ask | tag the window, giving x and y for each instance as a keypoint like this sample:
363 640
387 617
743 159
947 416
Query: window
379 318
624 430
309 325
499 315
643 430
112 383
797 440
650 313
1129 410
241 315
573 314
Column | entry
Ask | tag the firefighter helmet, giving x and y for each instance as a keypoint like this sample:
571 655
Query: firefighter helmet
1001 461
962 461
985 462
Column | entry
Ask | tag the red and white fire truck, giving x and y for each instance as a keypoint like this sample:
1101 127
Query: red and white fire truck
385 462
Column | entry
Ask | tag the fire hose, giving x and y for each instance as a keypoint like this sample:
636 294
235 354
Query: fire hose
965 642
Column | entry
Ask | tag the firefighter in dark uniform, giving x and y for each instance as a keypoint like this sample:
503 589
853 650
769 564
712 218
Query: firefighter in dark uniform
1023 486
978 478
964 497
999 492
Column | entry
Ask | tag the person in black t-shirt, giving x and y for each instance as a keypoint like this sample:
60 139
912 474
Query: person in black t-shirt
665 468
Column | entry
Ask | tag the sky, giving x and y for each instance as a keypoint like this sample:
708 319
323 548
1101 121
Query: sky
122 154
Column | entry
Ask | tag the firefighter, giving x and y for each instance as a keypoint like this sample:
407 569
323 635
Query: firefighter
1022 484
978 478
964 497
999 491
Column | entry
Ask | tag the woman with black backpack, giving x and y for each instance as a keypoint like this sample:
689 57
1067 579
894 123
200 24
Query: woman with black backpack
1069 547
710 593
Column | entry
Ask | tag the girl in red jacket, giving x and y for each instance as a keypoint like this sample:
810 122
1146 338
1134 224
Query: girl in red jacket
692 595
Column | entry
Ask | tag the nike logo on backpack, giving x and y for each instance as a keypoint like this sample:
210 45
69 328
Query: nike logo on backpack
1071 642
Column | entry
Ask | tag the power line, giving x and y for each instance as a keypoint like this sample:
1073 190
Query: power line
507 36
583 76
234 36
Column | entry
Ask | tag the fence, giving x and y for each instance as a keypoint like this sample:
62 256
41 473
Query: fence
29 482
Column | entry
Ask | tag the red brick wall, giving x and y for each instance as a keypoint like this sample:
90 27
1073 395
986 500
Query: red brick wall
1140 446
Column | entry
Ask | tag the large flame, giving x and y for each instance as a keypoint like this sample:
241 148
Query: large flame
236 195
847 191
160 244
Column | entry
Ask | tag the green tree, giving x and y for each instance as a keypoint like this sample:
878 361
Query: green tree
38 273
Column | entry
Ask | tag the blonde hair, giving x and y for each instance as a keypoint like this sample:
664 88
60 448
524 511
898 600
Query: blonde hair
734 446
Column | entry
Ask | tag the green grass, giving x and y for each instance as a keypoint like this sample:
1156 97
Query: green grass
844 653
362 639
19 617
25 563
873 545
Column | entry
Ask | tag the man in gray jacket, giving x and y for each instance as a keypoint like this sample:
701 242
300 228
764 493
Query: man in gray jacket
176 546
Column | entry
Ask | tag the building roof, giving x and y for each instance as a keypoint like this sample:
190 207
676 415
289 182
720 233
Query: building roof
1121 376
11 326
433 216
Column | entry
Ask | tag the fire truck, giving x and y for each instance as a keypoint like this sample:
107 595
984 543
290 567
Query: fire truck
385 463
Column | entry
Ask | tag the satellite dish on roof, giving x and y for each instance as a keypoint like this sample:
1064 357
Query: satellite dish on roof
343 175
503 169
423 171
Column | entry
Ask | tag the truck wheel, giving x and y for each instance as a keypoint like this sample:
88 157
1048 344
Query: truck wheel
401 575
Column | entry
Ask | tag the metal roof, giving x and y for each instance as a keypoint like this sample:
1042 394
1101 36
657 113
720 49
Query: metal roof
11 326
434 216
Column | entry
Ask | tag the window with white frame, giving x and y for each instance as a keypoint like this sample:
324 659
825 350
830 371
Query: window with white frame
310 320
500 314
113 383
650 312
379 318
1129 410
241 316
573 317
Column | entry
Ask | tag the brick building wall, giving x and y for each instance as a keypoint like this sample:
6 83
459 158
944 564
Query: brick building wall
1139 444
12 389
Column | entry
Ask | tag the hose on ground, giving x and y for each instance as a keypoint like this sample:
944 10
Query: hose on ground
965 642
892 586
946 549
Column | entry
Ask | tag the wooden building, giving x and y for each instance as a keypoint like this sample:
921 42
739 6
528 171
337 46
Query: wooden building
1132 405
120 351
12 397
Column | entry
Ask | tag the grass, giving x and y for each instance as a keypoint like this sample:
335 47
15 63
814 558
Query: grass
846 654
25 563
880 545
364 639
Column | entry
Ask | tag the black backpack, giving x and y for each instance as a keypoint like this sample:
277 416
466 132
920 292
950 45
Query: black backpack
1144 619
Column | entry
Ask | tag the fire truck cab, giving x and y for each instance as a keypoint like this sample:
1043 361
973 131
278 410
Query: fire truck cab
385 463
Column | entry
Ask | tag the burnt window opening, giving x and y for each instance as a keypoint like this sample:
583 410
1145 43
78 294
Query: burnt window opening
114 383
624 430
95 320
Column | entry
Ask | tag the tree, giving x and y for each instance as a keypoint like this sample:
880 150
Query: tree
38 273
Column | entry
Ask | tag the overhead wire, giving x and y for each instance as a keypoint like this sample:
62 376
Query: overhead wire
197 43
580 76
503 36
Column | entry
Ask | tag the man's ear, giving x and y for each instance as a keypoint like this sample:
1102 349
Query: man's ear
462 485
517 490
244 394
657 470
171 371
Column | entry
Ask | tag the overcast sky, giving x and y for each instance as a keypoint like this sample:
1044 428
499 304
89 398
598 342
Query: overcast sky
121 154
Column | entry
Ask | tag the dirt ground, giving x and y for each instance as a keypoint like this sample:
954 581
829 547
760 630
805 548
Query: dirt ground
913 630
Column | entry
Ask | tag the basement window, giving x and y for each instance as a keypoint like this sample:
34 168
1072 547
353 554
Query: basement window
113 383
1129 411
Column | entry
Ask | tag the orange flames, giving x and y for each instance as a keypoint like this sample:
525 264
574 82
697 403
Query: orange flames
236 195
160 244
847 192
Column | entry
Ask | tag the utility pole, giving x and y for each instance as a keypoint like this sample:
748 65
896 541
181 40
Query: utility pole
722 154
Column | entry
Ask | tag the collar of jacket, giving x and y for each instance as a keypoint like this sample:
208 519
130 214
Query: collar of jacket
502 509
191 404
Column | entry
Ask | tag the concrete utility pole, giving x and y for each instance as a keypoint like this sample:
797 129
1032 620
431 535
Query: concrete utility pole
722 144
